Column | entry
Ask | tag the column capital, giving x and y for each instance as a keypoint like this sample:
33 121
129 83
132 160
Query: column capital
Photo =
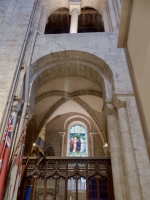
109 109
104 4
17 104
30 111
119 102
75 4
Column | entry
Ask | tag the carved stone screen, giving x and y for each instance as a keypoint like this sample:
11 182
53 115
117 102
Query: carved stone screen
77 141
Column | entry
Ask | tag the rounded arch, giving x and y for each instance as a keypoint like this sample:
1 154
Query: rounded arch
71 63
72 120
96 4
82 104
51 6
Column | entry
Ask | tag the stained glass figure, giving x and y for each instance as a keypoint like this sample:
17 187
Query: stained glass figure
77 141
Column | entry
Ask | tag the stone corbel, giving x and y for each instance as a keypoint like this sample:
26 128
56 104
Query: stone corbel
17 104
109 109
75 4
119 102
30 112
106 150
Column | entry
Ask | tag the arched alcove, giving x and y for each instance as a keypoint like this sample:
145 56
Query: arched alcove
80 83
71 63
51 7
90 20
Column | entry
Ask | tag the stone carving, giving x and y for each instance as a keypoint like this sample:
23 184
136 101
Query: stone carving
109 109
106 150
30 111
119 102
17 104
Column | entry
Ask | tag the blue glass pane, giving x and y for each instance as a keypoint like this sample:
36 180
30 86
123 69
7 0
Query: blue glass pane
77 141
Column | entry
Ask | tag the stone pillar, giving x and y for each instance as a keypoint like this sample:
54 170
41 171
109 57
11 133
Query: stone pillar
74 9
115 151
113 16
134 189
116 10
139 146
74 21
43 21
37 17
106 17
118 2
92 146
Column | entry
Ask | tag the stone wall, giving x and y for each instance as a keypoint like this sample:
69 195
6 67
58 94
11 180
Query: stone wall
54 140
102 45
12 40
97 145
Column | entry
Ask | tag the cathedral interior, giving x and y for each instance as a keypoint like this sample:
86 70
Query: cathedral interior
74 123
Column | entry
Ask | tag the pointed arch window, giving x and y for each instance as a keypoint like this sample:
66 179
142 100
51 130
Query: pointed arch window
77 141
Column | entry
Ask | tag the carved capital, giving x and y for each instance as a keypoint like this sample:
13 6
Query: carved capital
75 4
30 111
109 109
119 102
104 4
106 150
17 104
61 133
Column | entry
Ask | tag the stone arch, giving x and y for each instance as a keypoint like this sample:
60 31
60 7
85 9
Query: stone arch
67 94
50 6
77 118
71 63
84 106
96 4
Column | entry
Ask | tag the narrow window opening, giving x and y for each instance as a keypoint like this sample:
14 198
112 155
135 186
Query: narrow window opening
89 21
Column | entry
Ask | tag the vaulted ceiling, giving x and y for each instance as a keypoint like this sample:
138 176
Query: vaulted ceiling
66 95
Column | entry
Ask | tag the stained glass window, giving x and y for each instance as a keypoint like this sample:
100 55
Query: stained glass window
77 141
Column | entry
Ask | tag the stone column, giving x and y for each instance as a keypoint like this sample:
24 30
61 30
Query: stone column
37 17
133 184
116 11
43 21
74 21
106 17
115 151
92 146
113 16
74 9
118 2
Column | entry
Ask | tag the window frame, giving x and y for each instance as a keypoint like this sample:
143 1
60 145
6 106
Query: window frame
68 137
